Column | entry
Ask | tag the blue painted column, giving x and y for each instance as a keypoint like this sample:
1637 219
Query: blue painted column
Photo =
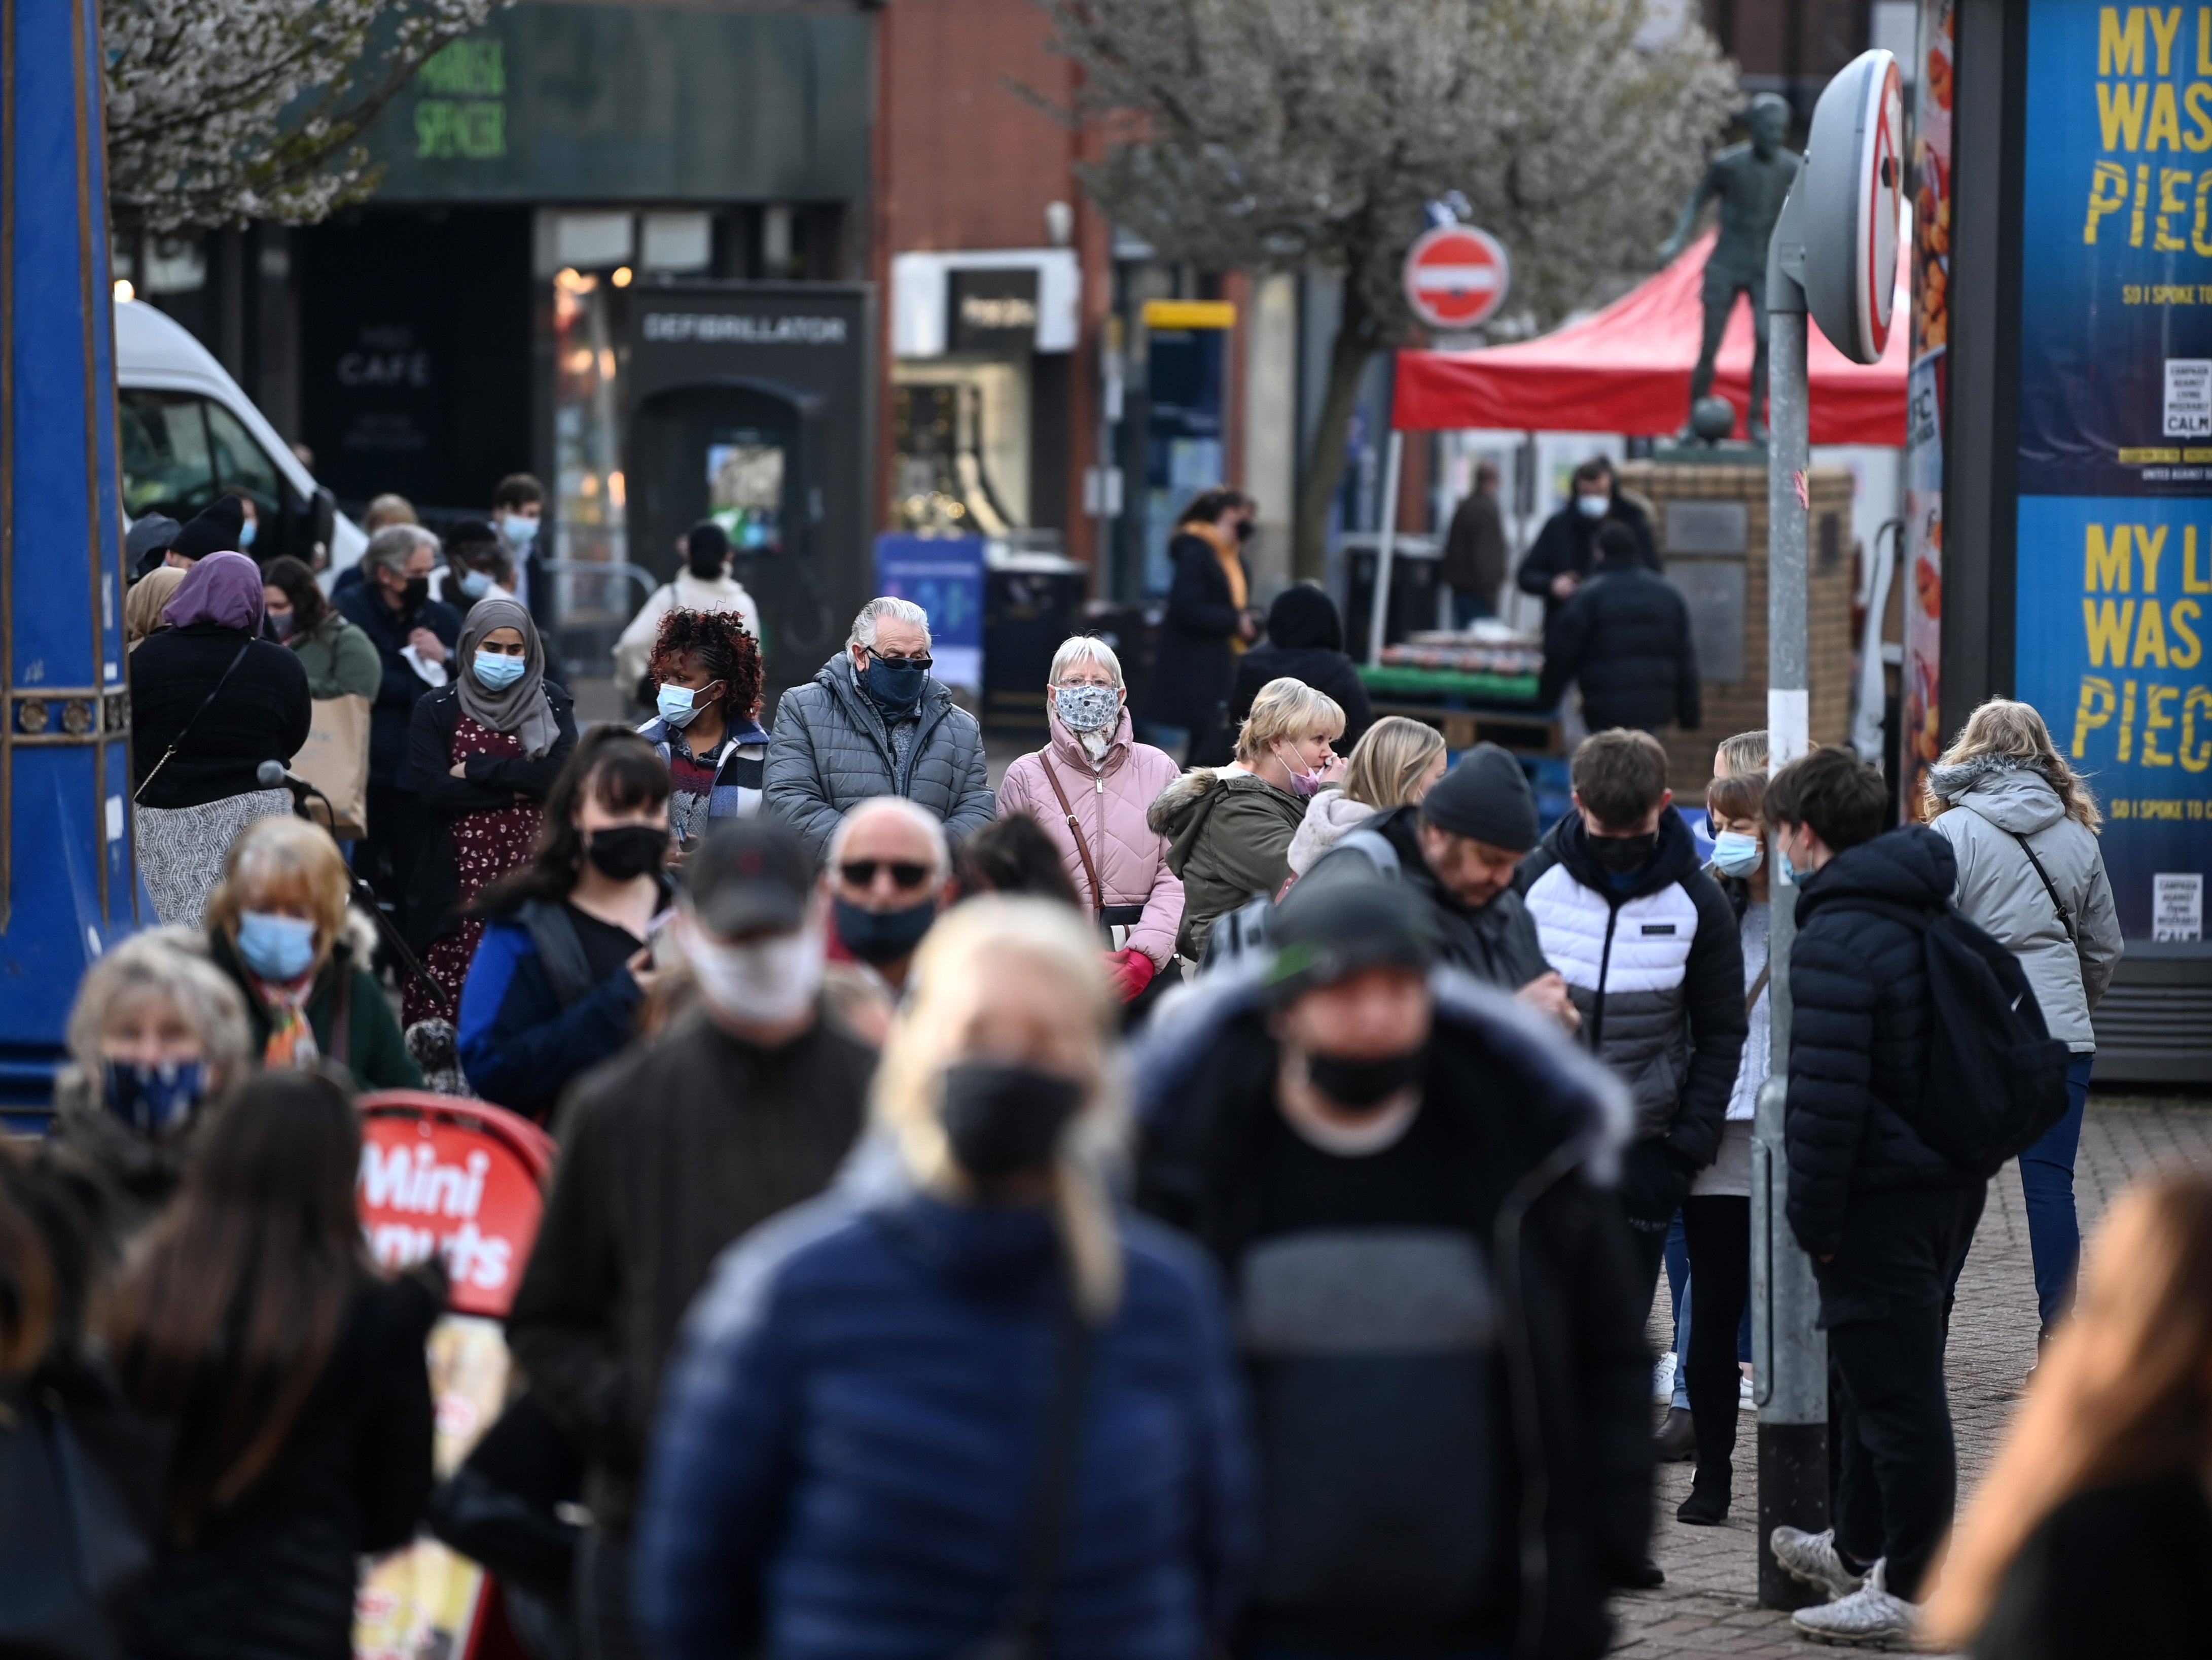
68 885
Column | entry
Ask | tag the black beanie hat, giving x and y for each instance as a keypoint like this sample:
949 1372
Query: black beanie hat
1304 616
1330 928
707 550
1485 796
214 530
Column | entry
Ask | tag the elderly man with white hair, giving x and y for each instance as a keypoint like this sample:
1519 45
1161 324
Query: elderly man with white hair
887 876
1090 786
873 722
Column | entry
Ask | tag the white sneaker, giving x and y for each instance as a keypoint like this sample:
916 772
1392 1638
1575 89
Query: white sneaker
1811 1558
1662 1380
1746 1399
1869 1617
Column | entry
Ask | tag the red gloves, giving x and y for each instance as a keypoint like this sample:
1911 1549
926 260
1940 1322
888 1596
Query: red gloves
1130 972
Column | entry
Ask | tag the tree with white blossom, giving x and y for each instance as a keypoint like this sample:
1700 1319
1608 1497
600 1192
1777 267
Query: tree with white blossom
1259 134
220 112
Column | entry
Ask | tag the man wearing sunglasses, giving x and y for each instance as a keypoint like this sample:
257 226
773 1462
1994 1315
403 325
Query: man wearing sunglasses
872 722
888 869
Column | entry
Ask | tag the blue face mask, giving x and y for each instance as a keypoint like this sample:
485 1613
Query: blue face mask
498 670
519 532
1737 854
153 1100
279 949
1787 871
245 535
1593 507
679 705
893 685
473 584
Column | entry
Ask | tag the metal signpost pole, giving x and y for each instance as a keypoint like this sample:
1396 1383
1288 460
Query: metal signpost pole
1832 261
1791 1355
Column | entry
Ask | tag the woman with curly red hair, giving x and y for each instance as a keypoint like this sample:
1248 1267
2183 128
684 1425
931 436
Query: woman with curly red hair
706 671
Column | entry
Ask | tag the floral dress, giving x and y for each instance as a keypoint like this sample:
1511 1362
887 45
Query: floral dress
486 847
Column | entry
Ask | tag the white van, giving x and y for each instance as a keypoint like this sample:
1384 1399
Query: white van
189 434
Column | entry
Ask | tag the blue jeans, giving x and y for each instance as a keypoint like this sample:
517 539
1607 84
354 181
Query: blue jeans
2046 1188
2046 1183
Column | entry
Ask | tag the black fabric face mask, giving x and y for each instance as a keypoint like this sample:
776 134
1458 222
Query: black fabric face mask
1244 530
417 591
1004 1120
883 936
1366 1083
1622 856
628 851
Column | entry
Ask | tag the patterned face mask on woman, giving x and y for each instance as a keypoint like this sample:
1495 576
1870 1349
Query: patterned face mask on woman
1085 709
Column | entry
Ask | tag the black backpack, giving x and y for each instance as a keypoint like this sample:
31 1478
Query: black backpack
1995 1078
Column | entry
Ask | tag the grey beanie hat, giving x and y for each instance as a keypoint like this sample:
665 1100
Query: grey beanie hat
1485 796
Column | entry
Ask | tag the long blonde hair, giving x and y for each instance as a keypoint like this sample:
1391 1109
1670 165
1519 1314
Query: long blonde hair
2120 1395
1053 942
1388 759
2014 733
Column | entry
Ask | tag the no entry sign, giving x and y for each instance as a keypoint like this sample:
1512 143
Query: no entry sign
1456 277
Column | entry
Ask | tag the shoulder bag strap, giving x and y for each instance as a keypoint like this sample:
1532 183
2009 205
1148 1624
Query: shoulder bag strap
2065 916
191 721
1751 997
1023 1635
1075 830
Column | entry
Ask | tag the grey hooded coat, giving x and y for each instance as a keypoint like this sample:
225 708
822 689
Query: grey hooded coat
832 749
1993 802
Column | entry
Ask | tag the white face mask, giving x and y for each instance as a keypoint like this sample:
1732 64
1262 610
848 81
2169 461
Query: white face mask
765 981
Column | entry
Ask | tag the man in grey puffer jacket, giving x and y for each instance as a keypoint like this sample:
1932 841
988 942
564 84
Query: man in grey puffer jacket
872 722
1994 808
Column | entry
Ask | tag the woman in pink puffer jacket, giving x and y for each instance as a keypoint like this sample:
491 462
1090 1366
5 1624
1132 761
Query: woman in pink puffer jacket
1106 781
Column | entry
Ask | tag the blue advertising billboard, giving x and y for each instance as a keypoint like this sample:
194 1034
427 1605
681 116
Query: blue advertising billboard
2114 565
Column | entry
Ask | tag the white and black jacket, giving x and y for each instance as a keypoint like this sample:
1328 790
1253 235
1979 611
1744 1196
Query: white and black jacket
1655 968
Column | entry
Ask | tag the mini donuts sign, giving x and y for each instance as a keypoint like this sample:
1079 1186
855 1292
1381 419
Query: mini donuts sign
457 1185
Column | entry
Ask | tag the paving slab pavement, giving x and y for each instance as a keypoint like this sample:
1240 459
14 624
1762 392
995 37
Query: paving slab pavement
1709 1605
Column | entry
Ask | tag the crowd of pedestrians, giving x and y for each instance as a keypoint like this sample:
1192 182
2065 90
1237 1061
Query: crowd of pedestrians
1137 1211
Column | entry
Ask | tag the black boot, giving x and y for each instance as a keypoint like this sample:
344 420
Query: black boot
1707 1506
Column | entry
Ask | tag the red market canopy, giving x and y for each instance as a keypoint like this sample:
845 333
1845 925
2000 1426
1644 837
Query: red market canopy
1626 369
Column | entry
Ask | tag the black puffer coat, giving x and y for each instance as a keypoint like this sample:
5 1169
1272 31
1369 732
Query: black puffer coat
1859 1030
831 750
1539 1129
1625 638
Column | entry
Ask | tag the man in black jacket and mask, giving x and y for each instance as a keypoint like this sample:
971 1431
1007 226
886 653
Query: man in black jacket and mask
415 636
1400 1172
1884 1217
1649 946
1565 549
